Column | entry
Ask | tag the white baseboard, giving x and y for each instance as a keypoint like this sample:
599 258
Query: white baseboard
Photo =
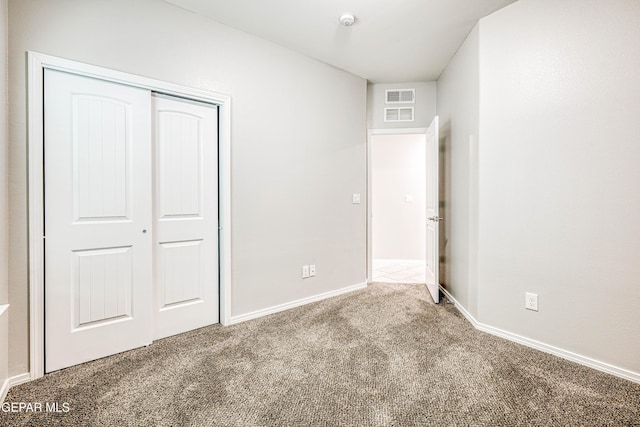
10 382
286 306
556 351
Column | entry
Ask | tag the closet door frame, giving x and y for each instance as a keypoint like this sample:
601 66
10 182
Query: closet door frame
36 64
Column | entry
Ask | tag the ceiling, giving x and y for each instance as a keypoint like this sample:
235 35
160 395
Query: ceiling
392 41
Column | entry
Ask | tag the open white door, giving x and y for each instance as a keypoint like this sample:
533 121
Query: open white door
98 217
186 215
433 209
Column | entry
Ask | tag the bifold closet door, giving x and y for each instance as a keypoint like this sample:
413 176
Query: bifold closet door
98 204
186 215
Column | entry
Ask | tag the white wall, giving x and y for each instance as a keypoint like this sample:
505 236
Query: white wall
296 158
539 113
559 173
4 212
424 107
458 101
398 170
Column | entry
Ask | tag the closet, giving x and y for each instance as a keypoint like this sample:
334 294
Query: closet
131 217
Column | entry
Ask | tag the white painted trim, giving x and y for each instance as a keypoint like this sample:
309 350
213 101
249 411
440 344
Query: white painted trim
35 137
286 306
13 381
398 131
547 348
369 215
224 188
36 65
370 134
4 388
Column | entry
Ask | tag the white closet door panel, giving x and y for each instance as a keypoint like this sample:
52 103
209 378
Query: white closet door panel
98 260
100 146
180 163
101 285
180 273
186 215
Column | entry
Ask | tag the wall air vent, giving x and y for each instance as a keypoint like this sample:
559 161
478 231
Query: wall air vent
400 96
400 114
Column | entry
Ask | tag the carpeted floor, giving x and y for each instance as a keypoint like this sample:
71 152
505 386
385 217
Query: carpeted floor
385 355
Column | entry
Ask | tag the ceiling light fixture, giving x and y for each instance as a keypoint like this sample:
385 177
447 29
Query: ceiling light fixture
347 19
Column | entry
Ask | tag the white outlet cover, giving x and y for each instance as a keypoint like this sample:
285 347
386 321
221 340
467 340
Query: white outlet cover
305 271
312 270
531 301
356 199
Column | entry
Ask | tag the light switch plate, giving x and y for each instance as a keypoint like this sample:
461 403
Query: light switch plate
356 199
305 271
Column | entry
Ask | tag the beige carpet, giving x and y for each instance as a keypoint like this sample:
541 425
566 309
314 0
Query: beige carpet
385 355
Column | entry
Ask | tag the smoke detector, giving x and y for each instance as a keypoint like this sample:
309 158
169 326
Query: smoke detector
347 19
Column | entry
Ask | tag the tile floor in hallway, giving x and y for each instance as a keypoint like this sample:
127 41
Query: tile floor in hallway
398 271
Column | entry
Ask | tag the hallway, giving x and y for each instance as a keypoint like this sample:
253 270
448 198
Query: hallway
398 271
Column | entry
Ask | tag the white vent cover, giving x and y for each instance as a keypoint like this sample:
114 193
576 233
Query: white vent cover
400 96
400 114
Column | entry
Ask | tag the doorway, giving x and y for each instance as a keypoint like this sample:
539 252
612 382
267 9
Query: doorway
397 170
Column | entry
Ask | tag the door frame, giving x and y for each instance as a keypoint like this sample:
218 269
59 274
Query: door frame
370 134
36 64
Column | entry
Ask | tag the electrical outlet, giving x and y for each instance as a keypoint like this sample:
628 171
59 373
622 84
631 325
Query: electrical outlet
531 301
312 270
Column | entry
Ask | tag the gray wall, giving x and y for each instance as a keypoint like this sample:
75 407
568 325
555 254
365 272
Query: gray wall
458 102
558 155
298 141
4 175
559 174
424 107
